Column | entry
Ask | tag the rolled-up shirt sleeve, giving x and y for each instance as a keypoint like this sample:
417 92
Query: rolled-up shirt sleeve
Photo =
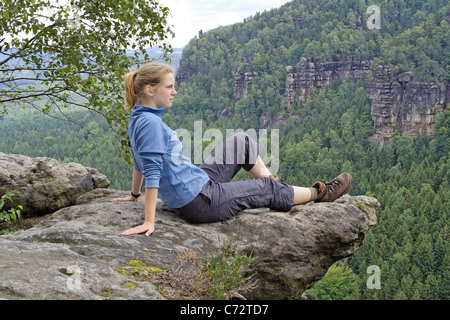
151 145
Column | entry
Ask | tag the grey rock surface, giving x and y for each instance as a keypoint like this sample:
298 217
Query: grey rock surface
44 184
78 253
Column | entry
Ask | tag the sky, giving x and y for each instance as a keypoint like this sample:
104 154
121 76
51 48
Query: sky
188 17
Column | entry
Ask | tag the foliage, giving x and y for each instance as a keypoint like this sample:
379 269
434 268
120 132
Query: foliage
338 284
422 49
11 214
331 132
225 270
55 52
413 37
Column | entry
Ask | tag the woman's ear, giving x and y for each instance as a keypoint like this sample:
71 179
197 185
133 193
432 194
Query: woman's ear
148 90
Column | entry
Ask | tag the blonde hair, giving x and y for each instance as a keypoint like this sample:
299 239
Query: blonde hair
151 73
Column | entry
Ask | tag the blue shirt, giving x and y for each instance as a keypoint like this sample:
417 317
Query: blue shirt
158 154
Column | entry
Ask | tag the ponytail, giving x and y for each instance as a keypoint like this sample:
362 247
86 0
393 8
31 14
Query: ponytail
130 95
151 73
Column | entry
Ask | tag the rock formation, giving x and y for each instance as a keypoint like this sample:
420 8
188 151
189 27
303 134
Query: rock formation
244 79
312 74
77 252
44 184
396 99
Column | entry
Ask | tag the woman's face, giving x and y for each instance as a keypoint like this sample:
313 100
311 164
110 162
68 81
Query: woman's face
162 96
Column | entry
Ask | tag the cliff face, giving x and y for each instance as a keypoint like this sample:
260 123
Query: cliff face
315 73
396 99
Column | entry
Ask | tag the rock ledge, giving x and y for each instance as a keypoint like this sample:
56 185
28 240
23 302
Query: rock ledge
77 252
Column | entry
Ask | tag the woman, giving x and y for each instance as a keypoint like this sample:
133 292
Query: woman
205 193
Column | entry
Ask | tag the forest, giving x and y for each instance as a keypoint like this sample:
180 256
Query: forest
327 134
330 132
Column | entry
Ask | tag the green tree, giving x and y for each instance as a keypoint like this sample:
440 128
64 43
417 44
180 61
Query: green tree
339 283
57 52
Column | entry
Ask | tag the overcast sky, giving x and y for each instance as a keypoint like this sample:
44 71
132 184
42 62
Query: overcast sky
191 16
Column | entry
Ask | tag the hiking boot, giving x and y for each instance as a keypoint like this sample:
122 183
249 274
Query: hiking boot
336 188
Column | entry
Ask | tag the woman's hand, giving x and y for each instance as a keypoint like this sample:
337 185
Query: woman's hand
147 227
129 198
151 196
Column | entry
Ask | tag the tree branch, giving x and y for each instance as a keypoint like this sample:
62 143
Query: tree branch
27 44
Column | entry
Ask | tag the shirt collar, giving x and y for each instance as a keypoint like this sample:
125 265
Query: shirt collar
138 109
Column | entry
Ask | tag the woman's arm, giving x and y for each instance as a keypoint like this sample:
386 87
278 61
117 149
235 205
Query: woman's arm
151 195
136 184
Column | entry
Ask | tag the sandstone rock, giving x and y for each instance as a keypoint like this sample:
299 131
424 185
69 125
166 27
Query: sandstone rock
291 251
244 79
44 184
310 73
243 82
47 271
396 99
405 77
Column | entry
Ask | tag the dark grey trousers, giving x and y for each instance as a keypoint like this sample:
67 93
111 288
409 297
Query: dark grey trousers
221 199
